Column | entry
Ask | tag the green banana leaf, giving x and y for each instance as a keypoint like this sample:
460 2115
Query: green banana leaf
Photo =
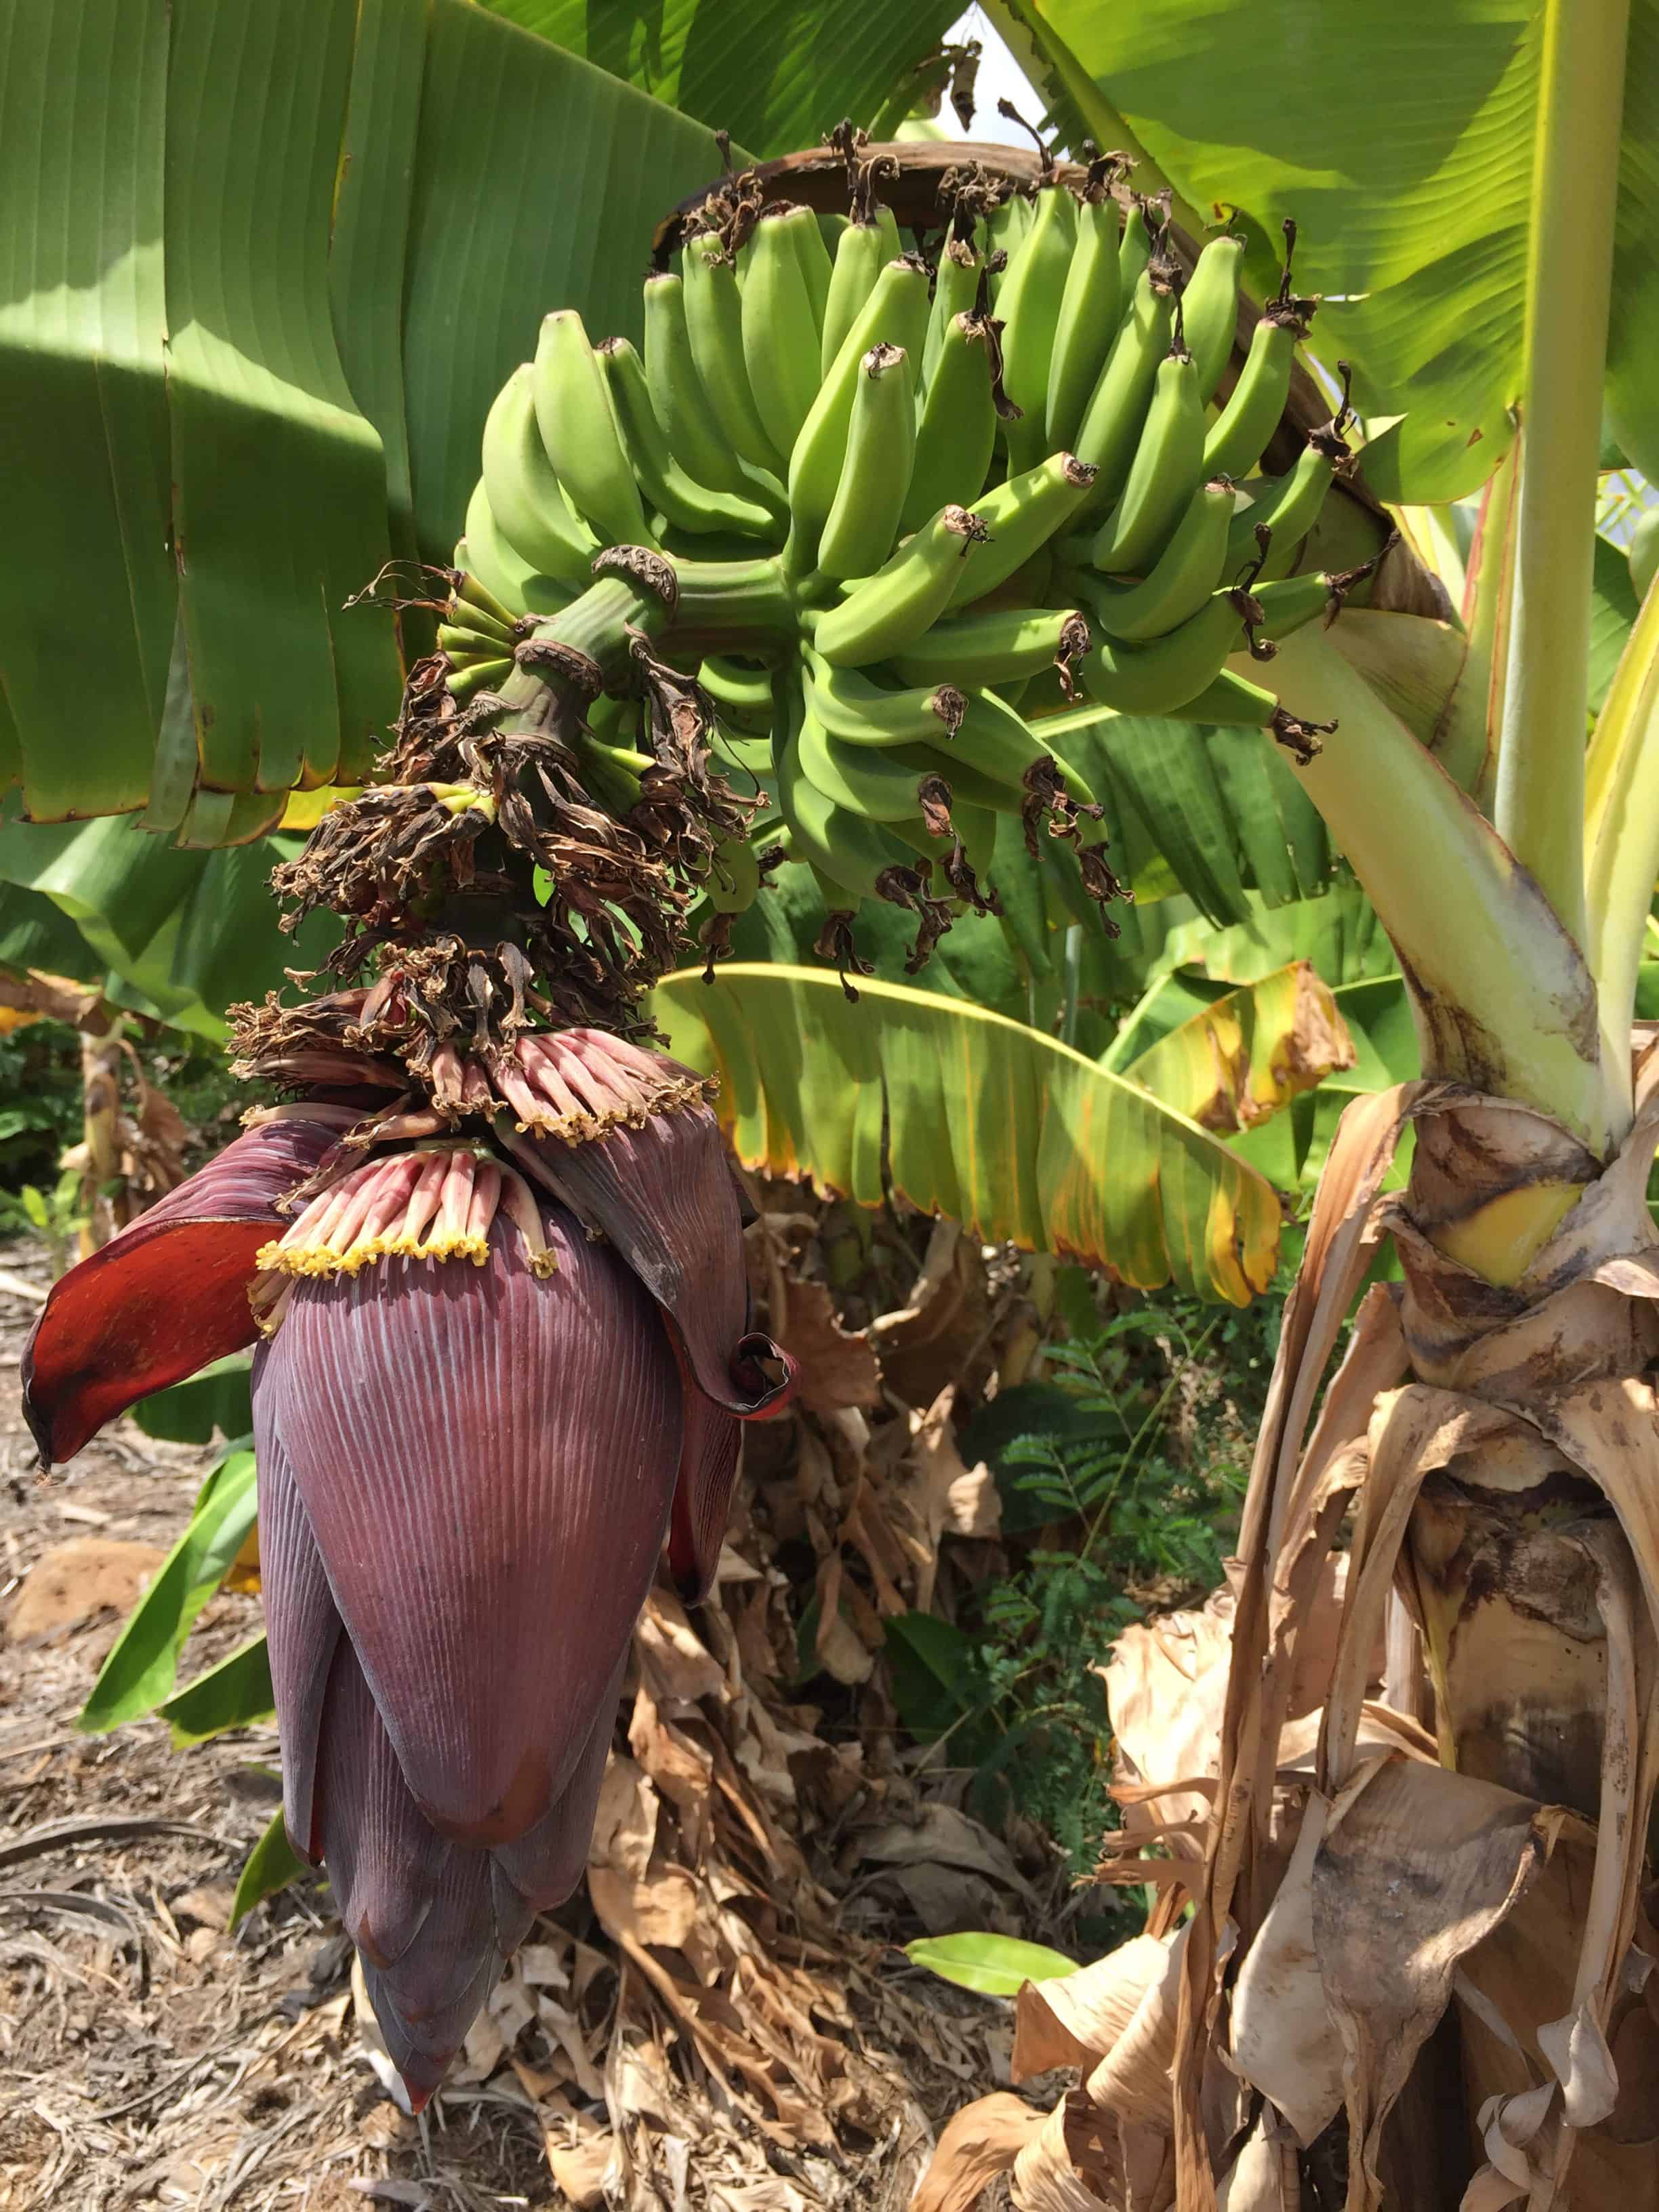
270 1865
142 1664
181 935
1400 135
264 268
961 1111
994 1966
219 1397
235 1693
777 74
1291 1149
1238 1057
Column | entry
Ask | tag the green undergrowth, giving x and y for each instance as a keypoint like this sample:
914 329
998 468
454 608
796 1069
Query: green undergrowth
1120 1474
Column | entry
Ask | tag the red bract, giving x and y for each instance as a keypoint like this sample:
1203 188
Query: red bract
487 1392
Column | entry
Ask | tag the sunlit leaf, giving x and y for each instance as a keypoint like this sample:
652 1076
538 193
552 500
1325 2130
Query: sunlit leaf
271 1865
994 1966
965 1113
236 1694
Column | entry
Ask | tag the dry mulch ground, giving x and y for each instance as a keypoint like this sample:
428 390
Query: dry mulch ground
153 2056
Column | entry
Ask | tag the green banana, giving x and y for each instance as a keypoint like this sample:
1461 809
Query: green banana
816 266
780 329
1156 677
1019 516
682 405
883 613
956 292
462 643
472 603
713 321
1006 227
1169 461
1209 310
999 646
861 712
958 426
1030 303
1287 605
1241 431
993 741
1239 436
880 783
1191 566
895 313
1117 406
683 502
510 578
743 695
1287 507
734 876
875 476
467 683
852 850
1089 312
524 494
579 430
1234 702
861 252
1140 229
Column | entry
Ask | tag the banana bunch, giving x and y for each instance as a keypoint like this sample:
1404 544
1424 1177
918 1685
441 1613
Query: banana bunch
982 487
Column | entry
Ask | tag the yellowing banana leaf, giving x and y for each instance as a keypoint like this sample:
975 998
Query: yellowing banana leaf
1234 1061
962 1112
261 270
1401 136
776 74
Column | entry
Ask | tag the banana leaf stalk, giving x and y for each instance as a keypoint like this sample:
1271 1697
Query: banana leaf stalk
495 1372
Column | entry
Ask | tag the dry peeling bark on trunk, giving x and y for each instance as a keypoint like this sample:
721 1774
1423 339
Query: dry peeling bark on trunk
1425 1962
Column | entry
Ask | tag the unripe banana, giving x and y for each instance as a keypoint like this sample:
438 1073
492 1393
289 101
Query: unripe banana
1117 406
743 695
861 712
906 596
1019 517
1288 507
733 877
999 646
1169 461
875 476
1239 436
851 850
1007 228
816 266
1029 302
958 428
895 313
1158 677
713 321
1234 702
579 430
480 676
682 405
780 329
515 581
524 494
683 502
861 253
956 292
1240 433
994 742
1191 566
462 643
1209 311
880 783
1089 313
1141 229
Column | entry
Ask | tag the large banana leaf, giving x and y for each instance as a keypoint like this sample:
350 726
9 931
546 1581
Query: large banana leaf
261 270
179 935
962 1112
1230 1061
776 74
1402 135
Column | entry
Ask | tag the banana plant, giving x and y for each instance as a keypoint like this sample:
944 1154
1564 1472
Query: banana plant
1437 2015
1487 252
